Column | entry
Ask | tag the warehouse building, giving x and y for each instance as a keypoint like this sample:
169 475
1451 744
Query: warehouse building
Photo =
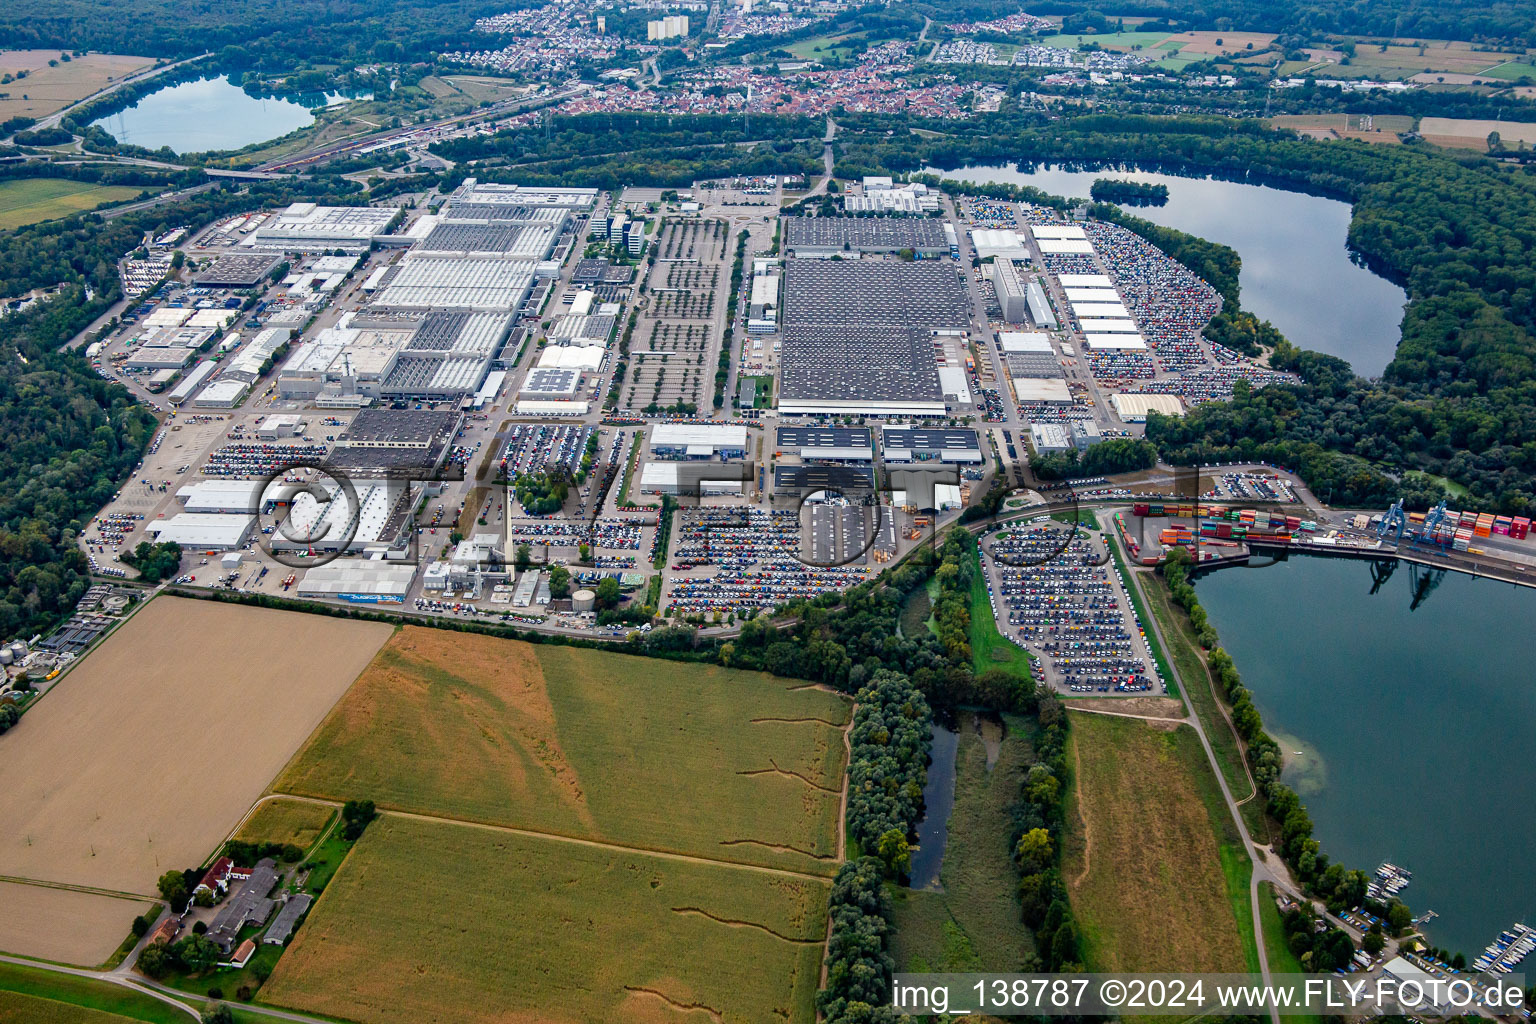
1039 308
360 581
829 236
203 531
827 444
674 478
242 270
395 443
191 382
221 496
1050 438
432 281
1133 408
490 238
861 337
374 524
1012 293
1041 390
474 193
999 244
1061 239
923 444
698 441
305 227
809 479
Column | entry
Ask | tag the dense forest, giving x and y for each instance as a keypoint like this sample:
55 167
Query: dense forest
282 30
72 437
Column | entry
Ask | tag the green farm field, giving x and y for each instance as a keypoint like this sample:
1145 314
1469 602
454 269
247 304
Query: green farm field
640 753
579 933
20 1009
29 995
26 201
1155 878
286 821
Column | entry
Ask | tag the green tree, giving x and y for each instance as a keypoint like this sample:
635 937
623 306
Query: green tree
197 953
1033 851
608 593
155 961
559 582
895 853
173 889
523 557
218 1013
356 815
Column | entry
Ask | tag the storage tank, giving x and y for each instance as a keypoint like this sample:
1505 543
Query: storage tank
583 601
5 656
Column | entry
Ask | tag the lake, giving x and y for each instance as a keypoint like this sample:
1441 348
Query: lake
1297 272
207 114
1414 726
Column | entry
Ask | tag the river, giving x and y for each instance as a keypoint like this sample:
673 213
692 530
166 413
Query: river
209 114
1413 727
1297 272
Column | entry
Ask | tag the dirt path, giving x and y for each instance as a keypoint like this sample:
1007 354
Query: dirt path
1082 819
595 844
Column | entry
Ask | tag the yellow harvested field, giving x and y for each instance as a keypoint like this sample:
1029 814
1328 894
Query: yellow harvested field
1473 134
435 922
286 820
1216 43
48 89
147 754
61 924
682 758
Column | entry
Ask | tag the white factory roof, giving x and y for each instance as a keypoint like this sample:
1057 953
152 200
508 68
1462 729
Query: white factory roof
250 359
325 525
166 316
201 530
304 223
581 328
221 495
545 407
1125 342
215 319
365 578
561 382
689 435
1065 246
1042 389
765 290
588 358
1096 310
224 391
581 303
1100 326
1023 341
190 383
999 243
952 383
1076 295
1058 231
1085 280
494 382
522 195
426 281
1133 408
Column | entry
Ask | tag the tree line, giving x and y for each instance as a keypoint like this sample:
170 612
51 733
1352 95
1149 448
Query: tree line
1337 886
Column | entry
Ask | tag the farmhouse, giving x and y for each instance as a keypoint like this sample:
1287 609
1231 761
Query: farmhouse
248 906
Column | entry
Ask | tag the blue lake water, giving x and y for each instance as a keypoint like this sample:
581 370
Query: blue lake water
1407 732
1297 272
207 114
